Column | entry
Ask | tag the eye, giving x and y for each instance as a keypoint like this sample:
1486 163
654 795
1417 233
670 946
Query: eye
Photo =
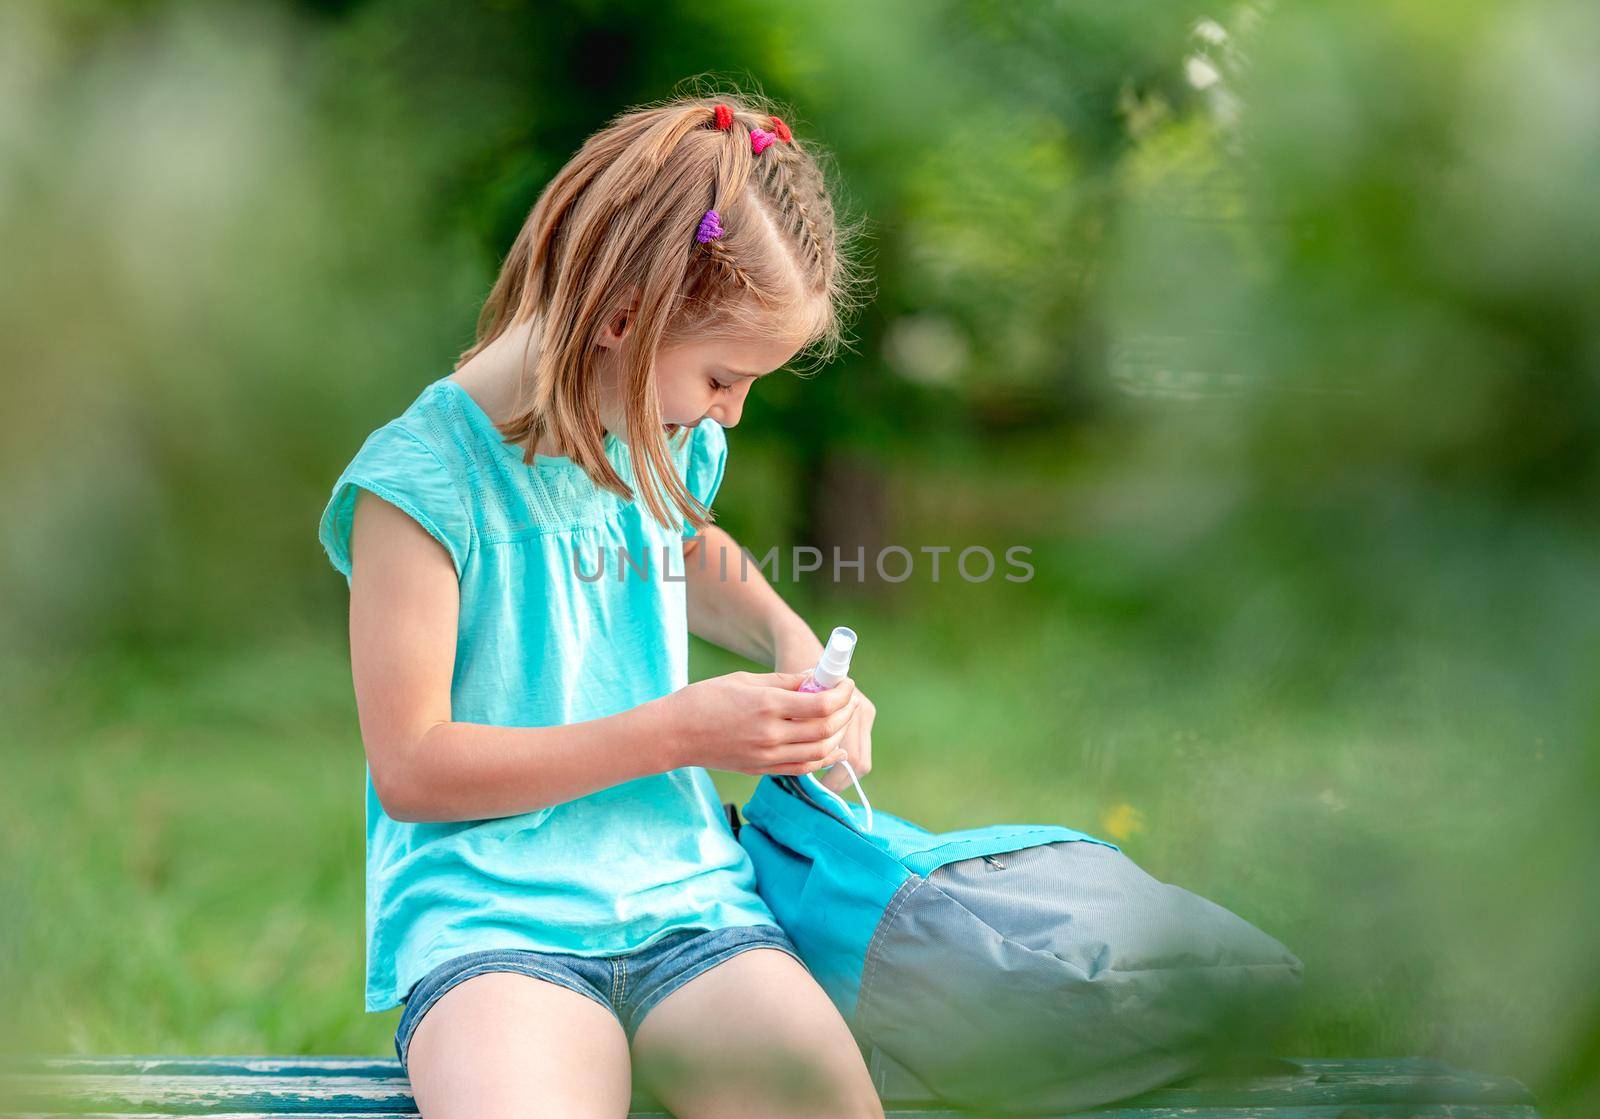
716 387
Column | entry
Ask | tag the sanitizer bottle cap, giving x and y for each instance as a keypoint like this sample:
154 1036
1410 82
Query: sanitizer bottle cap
835 663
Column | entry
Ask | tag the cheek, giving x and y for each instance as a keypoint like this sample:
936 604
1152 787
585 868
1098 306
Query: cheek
682 398
678 392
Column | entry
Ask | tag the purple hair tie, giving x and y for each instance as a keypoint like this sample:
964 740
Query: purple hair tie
710 228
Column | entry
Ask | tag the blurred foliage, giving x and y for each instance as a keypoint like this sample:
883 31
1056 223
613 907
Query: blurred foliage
1273 329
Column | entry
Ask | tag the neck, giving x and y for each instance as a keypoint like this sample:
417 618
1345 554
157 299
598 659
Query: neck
494 376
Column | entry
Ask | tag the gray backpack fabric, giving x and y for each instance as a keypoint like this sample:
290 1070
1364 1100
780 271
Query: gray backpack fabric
1028 970
1061 977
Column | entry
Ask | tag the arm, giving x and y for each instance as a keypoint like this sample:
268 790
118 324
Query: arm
743 615
404 605
746 616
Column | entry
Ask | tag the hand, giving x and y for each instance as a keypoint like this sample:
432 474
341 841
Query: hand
796 649
856 743
757 723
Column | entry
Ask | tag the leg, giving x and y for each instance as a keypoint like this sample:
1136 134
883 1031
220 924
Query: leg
753 1037
502 1045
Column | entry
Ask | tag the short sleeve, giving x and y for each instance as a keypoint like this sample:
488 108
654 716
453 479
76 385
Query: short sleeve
708 457
403 470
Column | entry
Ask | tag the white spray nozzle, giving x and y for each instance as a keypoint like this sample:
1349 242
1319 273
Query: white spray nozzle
833 667
835 663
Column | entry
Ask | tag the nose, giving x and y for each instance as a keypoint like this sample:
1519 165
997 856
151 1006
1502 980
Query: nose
727 412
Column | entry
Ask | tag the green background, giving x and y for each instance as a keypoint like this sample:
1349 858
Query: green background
1272 330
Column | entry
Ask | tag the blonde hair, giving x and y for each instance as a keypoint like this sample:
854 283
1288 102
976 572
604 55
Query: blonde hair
619 220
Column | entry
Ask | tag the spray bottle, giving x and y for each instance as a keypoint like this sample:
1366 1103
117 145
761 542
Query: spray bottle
833 667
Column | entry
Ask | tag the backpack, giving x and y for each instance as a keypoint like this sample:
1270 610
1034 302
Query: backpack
1026 968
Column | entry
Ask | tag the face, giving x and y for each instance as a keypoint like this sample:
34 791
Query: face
711 378
703 379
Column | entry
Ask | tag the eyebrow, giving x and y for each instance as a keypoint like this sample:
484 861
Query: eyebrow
736 373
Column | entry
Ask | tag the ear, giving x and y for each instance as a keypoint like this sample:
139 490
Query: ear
615 330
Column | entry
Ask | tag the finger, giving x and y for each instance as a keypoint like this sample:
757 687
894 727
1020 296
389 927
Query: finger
860 750
813 705
811 754
850 743
799 769
814 730
833 759
836 779
788 681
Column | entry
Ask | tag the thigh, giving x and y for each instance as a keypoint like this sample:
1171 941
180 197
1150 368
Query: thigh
753 1036
505 1044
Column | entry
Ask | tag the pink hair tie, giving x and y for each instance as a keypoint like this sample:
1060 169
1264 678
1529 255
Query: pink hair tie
760 138
710 228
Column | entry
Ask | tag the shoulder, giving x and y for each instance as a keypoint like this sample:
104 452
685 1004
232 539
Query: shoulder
412 463
427 435
436 421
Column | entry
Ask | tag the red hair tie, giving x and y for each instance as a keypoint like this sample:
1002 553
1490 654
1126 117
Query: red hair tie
723 116
782 130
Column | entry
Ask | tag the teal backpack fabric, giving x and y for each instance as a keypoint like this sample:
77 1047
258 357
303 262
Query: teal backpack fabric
1021 968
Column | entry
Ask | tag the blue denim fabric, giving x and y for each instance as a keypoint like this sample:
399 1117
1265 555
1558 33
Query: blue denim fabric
628 984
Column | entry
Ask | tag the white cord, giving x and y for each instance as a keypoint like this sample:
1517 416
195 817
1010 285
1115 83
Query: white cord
860 793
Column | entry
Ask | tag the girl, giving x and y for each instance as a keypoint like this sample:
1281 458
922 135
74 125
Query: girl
553 890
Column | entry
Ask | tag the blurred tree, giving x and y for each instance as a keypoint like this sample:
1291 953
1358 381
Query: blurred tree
986 139
1024 198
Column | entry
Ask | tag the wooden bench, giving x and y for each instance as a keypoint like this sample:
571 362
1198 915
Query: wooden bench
370 1088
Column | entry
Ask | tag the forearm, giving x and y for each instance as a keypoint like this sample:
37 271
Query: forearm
731 604
474 771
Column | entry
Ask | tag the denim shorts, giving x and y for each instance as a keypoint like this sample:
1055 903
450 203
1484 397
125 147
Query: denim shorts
628 984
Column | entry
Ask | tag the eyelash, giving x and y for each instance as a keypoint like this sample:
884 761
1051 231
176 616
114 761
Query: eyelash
719 388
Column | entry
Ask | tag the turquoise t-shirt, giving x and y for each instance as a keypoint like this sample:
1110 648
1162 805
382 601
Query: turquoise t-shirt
542 641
